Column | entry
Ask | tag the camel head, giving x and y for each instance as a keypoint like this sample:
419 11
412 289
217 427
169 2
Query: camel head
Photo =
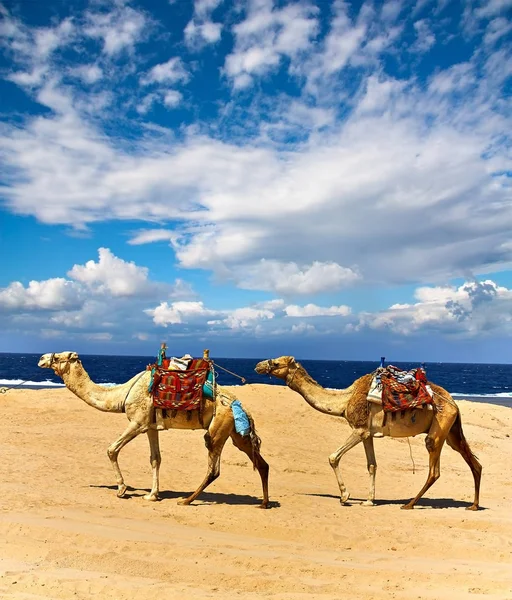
59 362
278 367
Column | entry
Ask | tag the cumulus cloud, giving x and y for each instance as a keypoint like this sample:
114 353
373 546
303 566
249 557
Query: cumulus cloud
312 310
119 29
50 294
473 308
266 36
170 72
289 278
112 274
179 312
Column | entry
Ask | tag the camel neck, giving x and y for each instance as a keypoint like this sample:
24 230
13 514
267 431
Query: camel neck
105 399
330 402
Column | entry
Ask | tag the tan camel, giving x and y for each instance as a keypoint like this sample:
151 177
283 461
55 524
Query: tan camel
443 424
134 399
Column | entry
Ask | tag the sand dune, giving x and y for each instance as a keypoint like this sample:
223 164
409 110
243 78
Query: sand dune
65 534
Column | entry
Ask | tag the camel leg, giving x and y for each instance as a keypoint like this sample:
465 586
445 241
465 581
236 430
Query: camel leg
372 469
334 460
155 460
215 440
456 441
131 432
244 445
434 446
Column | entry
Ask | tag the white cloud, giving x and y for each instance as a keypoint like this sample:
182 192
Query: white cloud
120 29
474 308
179 312
171 72
148 236
88 73
266 36
172 98
50 294
112 274
491 8
201 29
312 310
289 278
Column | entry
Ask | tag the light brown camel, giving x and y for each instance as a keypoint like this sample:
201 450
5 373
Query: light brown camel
443 424
134 399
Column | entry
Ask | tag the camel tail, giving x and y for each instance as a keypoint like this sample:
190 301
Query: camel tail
254 439
465 450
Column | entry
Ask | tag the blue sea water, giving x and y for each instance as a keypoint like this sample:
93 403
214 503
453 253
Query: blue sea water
478 382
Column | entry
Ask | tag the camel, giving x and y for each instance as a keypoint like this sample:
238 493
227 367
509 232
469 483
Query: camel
134 399
442 424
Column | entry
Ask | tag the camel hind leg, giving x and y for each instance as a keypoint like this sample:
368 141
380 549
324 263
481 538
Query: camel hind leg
244 445
457 441
215 439
442 423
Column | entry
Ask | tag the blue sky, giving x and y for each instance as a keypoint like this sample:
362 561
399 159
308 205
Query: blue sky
328 180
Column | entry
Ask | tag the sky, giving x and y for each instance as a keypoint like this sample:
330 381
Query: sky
327 180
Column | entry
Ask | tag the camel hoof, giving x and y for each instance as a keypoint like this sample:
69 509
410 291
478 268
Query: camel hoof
368 503
263 505
184 502
472 507
121 491
407 507
344 498
151 497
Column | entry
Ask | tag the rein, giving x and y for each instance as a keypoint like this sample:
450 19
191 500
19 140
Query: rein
230 372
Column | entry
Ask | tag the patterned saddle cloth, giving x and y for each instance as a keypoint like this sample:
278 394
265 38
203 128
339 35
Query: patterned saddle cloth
400 390
180 389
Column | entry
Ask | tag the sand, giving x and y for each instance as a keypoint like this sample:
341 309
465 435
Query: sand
65 534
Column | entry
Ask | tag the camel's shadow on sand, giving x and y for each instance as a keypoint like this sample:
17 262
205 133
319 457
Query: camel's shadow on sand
426 503
205 499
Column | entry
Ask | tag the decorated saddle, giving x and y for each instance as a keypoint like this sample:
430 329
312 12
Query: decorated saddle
181 383
400 390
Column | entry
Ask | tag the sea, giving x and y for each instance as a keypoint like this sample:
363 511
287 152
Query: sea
476 382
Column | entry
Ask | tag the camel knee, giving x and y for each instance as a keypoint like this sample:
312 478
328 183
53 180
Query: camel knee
430 444
334 460
112 453
372 469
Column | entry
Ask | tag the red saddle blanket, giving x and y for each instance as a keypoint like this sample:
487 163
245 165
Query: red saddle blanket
180 390
401 395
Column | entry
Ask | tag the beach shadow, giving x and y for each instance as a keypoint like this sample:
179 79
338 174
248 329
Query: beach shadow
427 503
205 499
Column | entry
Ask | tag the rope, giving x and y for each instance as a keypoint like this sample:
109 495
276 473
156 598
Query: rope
230 372
412 459
4 390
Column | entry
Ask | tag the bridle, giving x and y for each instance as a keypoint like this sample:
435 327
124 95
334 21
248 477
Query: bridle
271 365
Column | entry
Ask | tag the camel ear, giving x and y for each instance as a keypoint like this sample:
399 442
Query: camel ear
73 356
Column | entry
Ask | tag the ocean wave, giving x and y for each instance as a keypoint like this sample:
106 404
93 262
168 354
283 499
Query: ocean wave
494 395
21 383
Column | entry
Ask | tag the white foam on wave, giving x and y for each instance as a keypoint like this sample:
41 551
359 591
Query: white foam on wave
21 383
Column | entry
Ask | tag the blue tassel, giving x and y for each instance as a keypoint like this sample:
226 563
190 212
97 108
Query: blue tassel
242 425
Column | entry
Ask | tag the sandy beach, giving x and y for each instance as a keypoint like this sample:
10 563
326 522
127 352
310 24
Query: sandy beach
65 534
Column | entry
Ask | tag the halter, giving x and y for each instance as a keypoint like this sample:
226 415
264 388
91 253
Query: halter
271 366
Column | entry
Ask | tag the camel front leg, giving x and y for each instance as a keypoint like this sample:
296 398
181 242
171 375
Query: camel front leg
131 432
334 460
155 460
371 463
